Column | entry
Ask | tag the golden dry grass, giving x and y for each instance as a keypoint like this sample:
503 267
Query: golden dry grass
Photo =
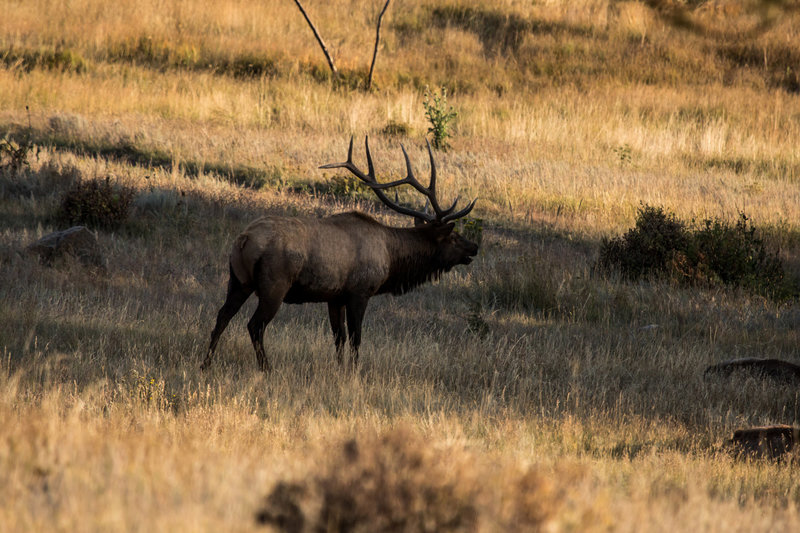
549 397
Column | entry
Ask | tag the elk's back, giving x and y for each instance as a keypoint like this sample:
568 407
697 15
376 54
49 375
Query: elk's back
319 258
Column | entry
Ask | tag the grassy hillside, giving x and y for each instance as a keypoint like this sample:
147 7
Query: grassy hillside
526 391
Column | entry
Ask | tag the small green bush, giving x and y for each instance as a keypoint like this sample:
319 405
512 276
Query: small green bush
623 154
735 255
440 116
714 252
647 249
96 203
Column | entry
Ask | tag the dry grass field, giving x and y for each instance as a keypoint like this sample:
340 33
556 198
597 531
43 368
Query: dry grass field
525 392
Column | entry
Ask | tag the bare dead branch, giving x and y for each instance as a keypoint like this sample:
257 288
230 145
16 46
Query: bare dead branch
319 39
377 43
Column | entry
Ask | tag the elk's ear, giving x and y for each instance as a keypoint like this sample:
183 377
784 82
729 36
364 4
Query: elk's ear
441 232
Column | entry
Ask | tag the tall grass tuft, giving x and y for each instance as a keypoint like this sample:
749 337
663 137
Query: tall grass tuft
399 481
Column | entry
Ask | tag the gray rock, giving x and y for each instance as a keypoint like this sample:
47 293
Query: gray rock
765 368
76 241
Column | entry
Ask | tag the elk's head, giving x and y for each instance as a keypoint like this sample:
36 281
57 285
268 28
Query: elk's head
451 248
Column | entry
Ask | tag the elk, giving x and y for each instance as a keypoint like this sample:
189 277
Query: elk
343 259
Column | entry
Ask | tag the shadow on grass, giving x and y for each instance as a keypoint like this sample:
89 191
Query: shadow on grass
87 343
500 32
771 169
127 152
343 188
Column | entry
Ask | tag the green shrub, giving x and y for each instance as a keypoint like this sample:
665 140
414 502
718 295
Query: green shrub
714 252
440 116
735 255
648 249
96 203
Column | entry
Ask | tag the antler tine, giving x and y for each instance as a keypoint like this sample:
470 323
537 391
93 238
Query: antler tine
450 209
432 186
370 180
350 151
439 214
370 167
464 212
410 179
349 165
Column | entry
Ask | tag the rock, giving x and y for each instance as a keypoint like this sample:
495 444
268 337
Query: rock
770 368
765 441
76 241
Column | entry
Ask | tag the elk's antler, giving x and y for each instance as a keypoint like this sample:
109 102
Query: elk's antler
438 215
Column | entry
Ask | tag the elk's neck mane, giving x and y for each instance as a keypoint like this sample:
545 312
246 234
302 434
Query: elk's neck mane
414 260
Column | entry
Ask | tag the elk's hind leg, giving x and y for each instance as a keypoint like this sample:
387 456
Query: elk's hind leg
236 297
270 293
268 305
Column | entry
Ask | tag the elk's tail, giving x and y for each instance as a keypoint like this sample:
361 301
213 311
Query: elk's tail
239 264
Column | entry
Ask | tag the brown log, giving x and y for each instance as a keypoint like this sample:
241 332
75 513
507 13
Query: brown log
769 442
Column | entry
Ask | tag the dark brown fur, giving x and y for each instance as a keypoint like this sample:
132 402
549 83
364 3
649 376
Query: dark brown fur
343 260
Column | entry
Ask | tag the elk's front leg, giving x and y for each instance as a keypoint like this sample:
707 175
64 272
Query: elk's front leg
356 307
336 313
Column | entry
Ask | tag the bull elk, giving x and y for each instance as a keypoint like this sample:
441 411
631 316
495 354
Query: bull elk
343 259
